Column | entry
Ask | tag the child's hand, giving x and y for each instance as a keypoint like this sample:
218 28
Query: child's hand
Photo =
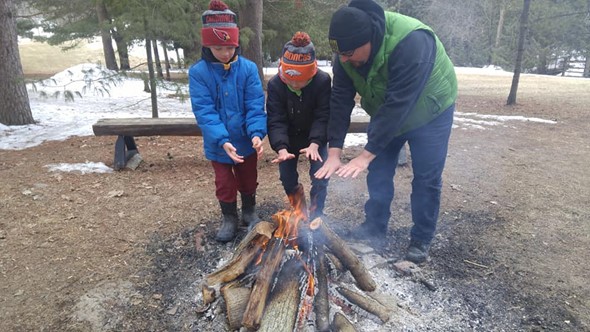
283 155
257 145
233 153
311 152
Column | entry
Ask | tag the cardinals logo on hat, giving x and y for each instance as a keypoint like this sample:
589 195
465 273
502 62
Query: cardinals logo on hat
222 35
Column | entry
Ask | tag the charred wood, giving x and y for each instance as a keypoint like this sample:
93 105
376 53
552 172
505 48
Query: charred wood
321 303
262 232
342 324
339 248
335 262
368 304
235 267
236 299
261 288
281 311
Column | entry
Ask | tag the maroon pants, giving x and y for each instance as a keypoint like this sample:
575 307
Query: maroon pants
229 179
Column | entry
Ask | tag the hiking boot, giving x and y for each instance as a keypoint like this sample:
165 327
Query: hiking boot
368 231
417 252
229 224
249 215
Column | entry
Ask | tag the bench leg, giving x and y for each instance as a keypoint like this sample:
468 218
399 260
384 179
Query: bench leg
125 148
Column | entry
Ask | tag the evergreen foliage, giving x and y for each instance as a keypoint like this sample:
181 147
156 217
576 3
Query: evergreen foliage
475 33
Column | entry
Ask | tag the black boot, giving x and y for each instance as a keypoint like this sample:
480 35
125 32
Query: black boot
417 251
229 224
249 216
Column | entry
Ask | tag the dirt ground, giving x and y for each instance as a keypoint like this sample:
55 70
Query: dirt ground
128 250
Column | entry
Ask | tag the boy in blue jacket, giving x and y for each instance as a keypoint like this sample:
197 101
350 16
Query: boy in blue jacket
228 102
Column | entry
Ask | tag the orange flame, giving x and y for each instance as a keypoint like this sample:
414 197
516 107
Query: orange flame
288 220
288 223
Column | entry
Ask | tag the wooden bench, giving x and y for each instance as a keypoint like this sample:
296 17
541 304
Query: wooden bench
127 128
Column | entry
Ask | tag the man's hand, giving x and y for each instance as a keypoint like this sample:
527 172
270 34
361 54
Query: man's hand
232 152
356 165
283 155
257 145
331 165
311 152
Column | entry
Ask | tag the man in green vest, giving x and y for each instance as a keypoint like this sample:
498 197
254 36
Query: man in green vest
408 87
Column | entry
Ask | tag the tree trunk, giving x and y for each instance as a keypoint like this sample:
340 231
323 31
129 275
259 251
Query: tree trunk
587 65
152 78
157 59
166 60
566 65
122 50
251 17
524 17
14 100
498 36
178 61
105 33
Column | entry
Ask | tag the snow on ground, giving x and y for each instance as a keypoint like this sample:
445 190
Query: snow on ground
99 93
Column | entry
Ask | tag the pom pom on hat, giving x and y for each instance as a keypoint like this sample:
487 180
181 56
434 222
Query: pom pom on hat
220 26
218 5
298 62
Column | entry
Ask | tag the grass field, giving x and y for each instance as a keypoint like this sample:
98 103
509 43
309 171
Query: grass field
41 60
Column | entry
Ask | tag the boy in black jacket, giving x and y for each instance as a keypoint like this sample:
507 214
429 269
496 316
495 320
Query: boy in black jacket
298 107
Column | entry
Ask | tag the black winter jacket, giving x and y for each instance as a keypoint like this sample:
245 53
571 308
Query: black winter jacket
296 121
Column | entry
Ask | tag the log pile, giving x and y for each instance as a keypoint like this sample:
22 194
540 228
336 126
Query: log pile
279 278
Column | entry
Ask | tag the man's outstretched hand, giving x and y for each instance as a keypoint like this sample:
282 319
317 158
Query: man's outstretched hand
356 166
331 165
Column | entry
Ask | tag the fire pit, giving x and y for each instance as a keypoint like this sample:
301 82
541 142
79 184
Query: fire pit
279 278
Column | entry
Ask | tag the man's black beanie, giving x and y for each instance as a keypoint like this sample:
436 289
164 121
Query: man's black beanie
350 28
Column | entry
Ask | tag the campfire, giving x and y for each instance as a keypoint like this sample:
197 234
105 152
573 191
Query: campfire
281 277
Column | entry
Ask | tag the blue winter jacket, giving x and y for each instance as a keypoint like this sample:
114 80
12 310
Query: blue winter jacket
228 105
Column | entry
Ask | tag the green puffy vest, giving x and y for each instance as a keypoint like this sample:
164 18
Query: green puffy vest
439 93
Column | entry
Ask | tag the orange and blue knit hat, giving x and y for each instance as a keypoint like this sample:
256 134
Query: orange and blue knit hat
298 62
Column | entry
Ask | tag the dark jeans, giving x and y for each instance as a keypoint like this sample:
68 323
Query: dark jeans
428 150
229 179
319 187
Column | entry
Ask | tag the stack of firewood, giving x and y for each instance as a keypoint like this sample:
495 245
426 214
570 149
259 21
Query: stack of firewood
279 278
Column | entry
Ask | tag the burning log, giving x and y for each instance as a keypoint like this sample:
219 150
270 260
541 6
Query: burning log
262 230
335 261
321 304
342 324
280 315
248 249
235 267
236 299
366 303
345 255
261 288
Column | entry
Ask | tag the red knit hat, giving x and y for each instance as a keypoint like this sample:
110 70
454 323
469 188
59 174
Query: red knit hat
220 26
298 62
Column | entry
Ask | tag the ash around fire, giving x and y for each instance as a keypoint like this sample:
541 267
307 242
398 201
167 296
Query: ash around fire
446 294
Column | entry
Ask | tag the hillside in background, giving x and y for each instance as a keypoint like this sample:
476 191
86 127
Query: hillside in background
41 60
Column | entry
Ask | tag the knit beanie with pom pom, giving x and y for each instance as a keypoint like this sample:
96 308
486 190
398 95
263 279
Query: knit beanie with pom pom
220 26
298 62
